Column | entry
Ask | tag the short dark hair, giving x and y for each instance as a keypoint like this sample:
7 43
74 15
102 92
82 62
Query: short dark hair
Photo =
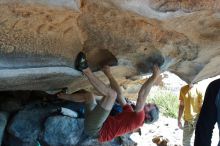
154 115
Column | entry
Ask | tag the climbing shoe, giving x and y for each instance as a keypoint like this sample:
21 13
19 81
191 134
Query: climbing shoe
81 62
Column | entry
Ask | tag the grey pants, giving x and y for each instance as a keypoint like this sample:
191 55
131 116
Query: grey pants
95 116
188 132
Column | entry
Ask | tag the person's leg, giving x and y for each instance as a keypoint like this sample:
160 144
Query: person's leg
109 95
193 130
114 85
218 111
187 134
96 118
191 134
90 102
94 114
81 96
208 116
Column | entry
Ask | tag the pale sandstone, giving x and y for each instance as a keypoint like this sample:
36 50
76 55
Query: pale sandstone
182 37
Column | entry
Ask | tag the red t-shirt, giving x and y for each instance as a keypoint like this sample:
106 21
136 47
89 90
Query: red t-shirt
121 124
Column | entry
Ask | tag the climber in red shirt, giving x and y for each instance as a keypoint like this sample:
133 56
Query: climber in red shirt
98 123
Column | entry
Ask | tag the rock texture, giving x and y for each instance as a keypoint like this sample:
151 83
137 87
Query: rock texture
39 40
184 5
26 126
61 130
3 122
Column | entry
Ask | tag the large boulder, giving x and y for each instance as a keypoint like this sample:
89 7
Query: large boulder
37 45
39 40
184 5
26 126
3 122
63 131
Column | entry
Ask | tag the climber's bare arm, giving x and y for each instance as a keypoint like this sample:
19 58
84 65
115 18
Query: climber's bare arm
145 89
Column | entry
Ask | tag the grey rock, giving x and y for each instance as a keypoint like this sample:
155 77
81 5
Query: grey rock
13 101
26 126
63 131
12 141
42 78
11 105
3 123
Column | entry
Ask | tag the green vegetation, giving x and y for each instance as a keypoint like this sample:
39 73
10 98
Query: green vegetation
167 102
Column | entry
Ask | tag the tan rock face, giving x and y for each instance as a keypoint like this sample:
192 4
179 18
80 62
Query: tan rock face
38 29
136 34
184 5
133 38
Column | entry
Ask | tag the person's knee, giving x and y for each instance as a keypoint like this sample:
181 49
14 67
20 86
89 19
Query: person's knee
109 100
112 94
89 96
